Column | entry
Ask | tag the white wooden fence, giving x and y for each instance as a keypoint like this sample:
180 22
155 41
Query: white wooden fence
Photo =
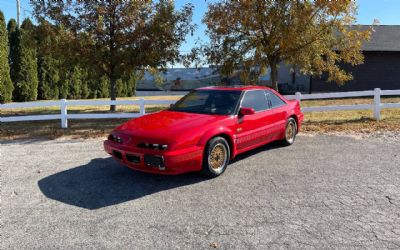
376 106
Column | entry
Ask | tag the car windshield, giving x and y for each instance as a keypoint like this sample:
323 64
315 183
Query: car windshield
216 102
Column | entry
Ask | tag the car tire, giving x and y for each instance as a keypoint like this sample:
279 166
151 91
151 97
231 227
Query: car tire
216 157
290 132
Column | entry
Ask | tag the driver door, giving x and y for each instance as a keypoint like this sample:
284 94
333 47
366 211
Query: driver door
255 129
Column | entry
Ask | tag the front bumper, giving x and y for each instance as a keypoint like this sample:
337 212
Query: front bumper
155 161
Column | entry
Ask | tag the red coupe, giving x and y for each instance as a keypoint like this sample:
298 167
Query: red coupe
205 129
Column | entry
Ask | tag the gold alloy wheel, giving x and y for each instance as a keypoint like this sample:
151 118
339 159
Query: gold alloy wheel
217 157
290 132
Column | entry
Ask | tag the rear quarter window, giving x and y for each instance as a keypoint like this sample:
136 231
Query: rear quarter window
275 100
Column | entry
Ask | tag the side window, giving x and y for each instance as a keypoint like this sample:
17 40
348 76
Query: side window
275 100
255 99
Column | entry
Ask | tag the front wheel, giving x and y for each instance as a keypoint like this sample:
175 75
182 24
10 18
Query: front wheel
290 132
216 157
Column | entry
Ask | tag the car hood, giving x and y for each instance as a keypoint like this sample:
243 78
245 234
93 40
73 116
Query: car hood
167 124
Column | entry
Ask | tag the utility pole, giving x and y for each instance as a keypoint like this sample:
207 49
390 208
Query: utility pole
18 10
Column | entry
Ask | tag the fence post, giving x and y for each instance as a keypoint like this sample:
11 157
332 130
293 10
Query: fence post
298 97
377 104
64 119
142 107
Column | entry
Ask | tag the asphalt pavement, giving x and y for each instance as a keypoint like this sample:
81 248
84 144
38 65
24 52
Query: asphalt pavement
324 192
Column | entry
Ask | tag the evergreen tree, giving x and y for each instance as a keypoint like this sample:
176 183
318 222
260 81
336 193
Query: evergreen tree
14 40
6 86
103 89
85 89
48 64
48 76
129 89
74 83
25 64
63 85
133 78
77 84
121 88
93 84
26 86
11 30
11 27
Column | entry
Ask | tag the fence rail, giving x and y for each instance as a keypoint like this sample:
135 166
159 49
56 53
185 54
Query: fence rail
376 106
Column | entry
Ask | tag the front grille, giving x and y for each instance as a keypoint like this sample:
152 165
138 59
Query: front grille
154 161
153 146
133 158
117 154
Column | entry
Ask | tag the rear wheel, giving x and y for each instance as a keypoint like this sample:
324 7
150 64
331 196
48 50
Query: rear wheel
216 157
290 132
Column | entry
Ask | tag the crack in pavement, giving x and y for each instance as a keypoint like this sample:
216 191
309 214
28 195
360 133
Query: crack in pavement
389 199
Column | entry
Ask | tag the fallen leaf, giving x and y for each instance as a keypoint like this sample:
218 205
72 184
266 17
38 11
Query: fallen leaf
214 245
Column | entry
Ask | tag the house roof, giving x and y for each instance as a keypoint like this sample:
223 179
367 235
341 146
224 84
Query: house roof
383 38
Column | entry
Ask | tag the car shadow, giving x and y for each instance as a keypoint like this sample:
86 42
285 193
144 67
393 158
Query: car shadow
266 147
104 182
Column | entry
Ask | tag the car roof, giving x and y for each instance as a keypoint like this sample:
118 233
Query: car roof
234 87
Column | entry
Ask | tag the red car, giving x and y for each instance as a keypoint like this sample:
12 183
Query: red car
205 129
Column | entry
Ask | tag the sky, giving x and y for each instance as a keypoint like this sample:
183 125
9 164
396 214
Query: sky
386 11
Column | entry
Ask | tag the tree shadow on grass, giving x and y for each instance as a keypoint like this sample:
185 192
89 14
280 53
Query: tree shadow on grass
104 182
340 122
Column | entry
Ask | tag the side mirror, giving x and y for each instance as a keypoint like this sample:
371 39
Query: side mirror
246 111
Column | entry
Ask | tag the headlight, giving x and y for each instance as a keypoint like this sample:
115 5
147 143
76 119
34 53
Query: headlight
115 138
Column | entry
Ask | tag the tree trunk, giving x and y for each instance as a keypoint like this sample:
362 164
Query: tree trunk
274 75
113 90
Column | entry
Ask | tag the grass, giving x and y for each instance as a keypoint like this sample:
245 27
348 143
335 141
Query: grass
360 121
315 122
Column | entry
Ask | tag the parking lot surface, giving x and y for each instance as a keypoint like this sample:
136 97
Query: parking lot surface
323 192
